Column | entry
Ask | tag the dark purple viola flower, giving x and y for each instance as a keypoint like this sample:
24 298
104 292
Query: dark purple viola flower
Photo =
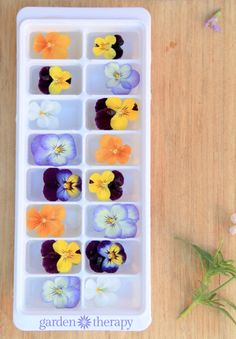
115 186
61 184
50 257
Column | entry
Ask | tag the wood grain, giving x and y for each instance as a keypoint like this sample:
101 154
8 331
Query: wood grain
193 158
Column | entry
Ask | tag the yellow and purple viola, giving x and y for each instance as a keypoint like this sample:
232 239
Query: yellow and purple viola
114 113
61 184
59 256
54 80
108 46
106 185
53 149
105 256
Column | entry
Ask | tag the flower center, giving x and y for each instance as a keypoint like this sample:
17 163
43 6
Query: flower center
110 220
68 185
50 45
112 255
98 289
41 113
44 220
67 254
58 291
123 111
116 75
105 46
59 149
115 151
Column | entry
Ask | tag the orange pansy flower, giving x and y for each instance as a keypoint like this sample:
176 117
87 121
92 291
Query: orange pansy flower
47 221
52 46
112 150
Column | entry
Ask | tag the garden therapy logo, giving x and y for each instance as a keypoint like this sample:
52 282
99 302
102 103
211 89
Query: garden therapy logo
85 322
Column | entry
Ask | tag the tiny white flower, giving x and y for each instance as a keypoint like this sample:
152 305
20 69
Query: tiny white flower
45 114
102 290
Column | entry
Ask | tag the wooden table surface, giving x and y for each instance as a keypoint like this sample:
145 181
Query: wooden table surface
193 158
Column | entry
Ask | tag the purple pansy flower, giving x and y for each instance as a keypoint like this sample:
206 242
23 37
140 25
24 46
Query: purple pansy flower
105 256
62 292
53 149
121 78
61 184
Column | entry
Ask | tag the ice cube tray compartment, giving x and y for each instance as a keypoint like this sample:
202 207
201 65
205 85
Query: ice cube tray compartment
77 118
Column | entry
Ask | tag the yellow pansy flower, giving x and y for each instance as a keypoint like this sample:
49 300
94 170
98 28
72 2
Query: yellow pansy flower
98 183
125 111
70 254
61 80
103 46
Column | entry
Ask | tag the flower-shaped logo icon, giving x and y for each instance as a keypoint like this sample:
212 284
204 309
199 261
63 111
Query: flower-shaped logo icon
84 322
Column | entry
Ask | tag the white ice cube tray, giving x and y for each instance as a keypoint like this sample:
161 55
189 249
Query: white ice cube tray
132 311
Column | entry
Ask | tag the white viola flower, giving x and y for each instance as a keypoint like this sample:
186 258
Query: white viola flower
45 114
117 221
116 73
114 221
102 290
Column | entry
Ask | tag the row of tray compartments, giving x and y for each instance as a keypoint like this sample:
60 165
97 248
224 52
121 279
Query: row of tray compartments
129 295
82 44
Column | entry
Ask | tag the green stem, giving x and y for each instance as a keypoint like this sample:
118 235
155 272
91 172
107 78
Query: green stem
222 285
187 310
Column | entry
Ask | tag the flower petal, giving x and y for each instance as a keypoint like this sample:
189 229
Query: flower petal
119 212
51 107
112 83
34 110
113 231
61 282
133 212
59 300
134 78
110 53
114 103
128 228
119 122
60 246
64 265
63 175
73 296
90 289
101 213
120 90
125 71
111 68
107 176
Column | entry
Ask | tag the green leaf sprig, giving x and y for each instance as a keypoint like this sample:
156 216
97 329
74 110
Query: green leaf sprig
212 265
